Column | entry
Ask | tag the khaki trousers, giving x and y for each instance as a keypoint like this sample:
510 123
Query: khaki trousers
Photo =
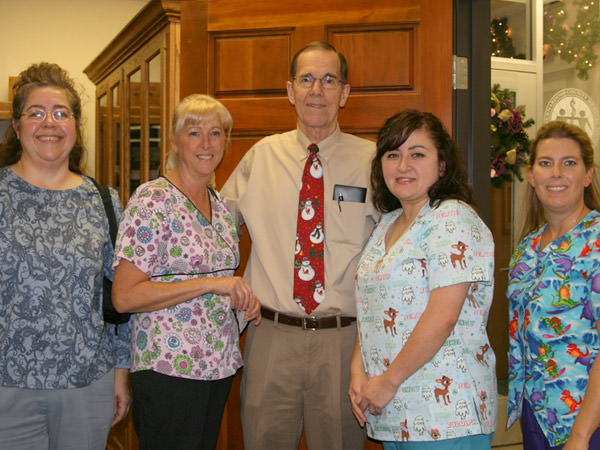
294 378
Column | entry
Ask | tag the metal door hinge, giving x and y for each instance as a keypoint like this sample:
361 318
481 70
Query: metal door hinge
460 72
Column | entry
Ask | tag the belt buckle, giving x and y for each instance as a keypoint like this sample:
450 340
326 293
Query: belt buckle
305 327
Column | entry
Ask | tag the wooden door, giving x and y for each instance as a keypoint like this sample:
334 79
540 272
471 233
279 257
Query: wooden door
399 54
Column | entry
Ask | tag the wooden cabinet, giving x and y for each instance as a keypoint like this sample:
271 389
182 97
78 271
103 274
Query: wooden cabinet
399 55
137 86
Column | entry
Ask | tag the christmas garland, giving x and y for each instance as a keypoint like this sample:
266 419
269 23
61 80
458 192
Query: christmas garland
575 44
509 141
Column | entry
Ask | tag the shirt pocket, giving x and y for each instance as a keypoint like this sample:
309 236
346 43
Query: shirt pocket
346 223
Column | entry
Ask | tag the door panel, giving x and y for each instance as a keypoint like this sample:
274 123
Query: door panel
399 55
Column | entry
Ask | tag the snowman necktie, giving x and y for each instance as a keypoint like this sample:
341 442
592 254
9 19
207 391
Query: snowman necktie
309 268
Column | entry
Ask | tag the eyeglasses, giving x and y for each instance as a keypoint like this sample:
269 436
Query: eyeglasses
327 81
39 115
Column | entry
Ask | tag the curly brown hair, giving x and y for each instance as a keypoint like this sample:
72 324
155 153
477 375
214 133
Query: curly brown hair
452 184
42 75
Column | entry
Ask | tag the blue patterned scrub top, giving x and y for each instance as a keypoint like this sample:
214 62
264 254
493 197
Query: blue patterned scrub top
168 239
454 394
553 340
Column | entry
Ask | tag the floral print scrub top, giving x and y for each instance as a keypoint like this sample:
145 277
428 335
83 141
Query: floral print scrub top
168 239
554 306
454 394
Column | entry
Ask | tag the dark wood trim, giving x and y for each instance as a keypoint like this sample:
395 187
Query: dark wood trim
472 106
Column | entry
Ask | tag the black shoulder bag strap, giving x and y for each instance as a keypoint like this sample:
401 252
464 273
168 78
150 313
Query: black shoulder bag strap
110 314
108 208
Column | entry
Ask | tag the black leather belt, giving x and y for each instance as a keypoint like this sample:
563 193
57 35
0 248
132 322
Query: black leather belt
307 323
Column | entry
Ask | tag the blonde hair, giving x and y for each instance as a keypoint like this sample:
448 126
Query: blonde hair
194 109
591 195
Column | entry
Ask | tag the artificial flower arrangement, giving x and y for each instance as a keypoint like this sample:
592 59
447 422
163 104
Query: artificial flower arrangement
509 141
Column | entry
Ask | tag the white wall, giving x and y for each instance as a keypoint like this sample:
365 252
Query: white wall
70 33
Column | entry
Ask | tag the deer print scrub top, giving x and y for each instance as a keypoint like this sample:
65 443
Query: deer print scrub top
553 310
168 239
454 394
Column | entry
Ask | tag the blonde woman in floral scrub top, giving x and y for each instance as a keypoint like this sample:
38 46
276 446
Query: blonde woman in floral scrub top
423 371
176 254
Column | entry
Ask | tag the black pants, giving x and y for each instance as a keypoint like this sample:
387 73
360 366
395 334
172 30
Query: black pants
171 413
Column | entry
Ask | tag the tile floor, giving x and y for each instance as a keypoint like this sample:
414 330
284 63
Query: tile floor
506 440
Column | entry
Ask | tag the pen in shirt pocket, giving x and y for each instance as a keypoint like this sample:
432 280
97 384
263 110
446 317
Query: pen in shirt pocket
343 193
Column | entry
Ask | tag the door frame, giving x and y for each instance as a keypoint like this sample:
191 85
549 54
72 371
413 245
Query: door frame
472 105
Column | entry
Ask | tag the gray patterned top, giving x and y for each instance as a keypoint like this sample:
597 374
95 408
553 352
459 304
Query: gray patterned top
54 250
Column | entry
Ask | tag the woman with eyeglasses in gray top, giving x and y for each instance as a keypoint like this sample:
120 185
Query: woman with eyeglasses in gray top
63 372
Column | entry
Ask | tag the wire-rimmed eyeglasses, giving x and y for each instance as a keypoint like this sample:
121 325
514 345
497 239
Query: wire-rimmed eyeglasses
328 81
58 115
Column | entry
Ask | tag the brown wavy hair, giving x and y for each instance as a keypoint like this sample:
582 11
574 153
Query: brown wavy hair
534 217
42 75
452 184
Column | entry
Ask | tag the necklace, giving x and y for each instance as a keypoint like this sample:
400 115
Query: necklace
564 227
204 208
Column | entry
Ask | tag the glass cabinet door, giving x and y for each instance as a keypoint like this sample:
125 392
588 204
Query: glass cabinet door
154 108
134 101
102 140
135 131
114 151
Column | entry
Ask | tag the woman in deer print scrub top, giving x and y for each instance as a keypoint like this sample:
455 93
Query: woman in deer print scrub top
423 372
554 287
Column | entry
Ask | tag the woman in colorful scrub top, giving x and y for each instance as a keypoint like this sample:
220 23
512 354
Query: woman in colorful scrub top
176 253
423 371
554 293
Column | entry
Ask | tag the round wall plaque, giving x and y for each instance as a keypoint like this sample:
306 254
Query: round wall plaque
577 107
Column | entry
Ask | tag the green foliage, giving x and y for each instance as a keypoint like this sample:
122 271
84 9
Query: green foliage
509 142
575 44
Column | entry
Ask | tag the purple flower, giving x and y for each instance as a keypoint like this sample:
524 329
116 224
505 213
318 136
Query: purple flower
505 103
197 352
515 122
498 165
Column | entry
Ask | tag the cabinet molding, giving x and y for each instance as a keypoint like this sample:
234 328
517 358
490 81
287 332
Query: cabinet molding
137 88
144 26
